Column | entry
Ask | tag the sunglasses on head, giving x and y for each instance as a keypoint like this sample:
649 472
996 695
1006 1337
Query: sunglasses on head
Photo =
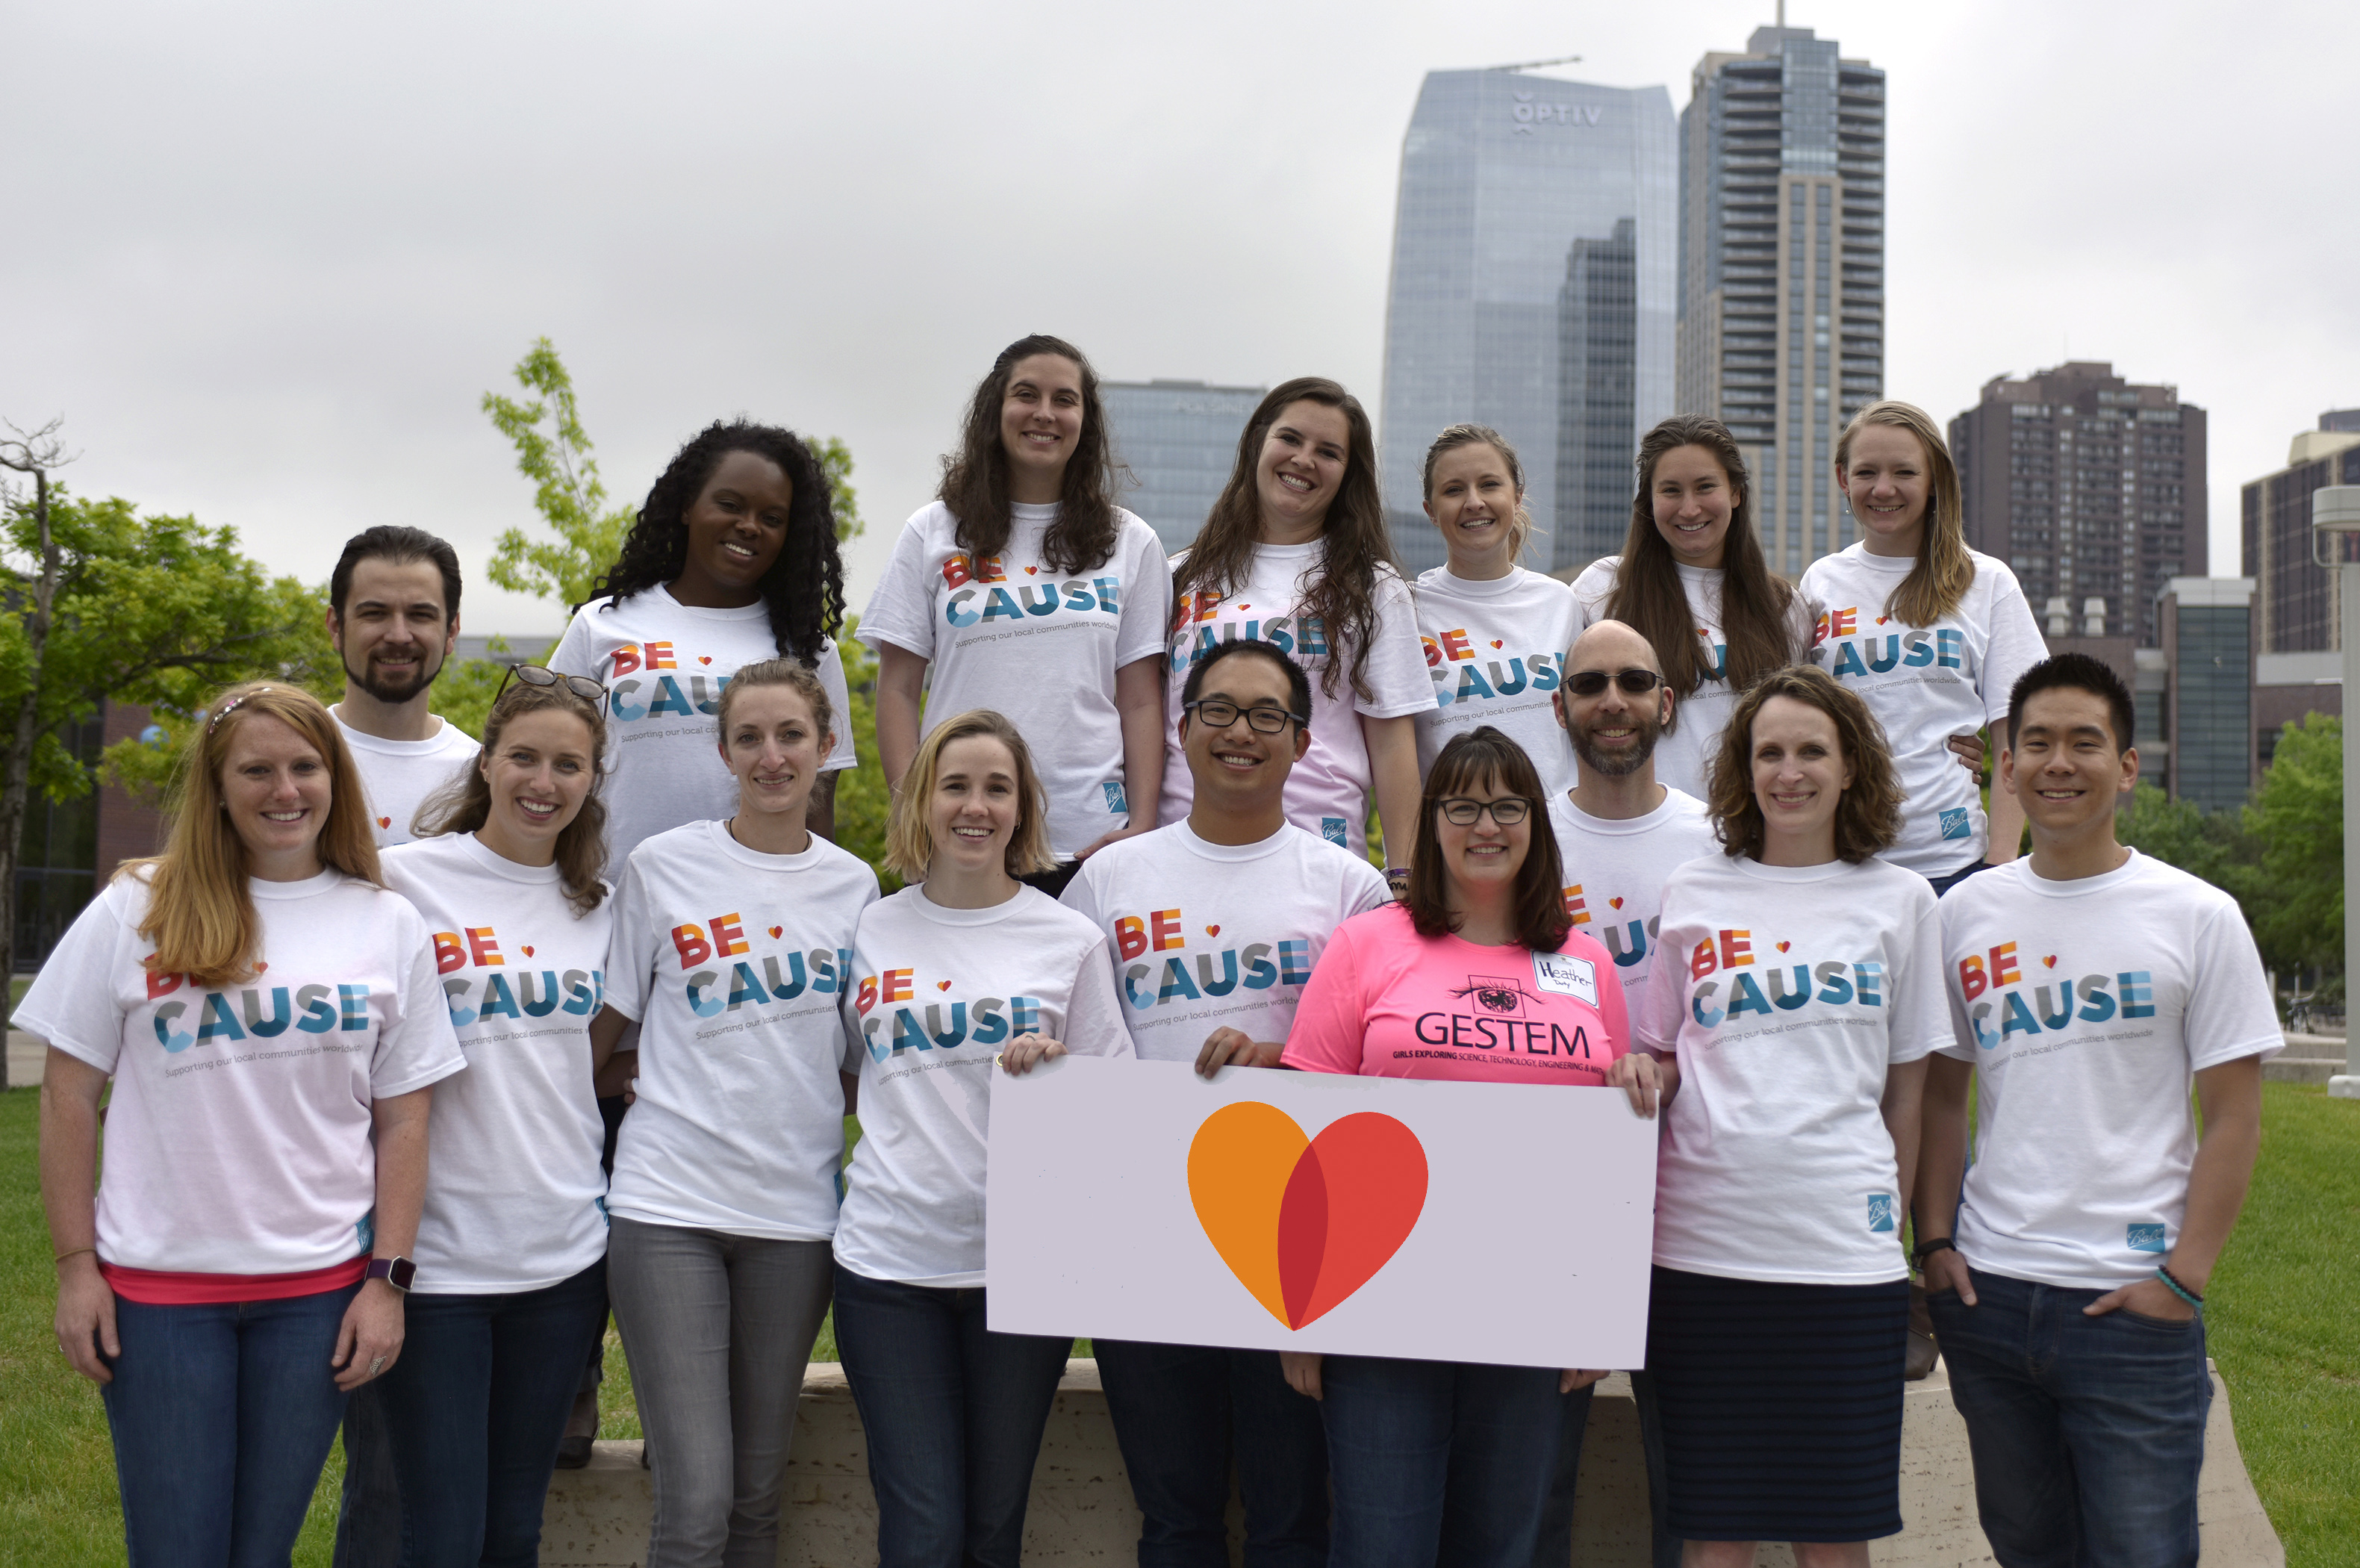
583 686
1590 683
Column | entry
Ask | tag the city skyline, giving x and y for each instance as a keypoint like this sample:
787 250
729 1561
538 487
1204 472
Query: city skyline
281 257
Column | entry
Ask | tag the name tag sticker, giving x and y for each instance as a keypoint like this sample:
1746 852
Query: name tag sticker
1567 977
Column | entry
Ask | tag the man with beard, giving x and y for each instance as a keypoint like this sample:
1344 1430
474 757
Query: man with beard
1621 835
393 614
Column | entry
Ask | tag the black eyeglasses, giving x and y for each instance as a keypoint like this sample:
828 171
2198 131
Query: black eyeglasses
1590 683
1220 715
583 686
1460 811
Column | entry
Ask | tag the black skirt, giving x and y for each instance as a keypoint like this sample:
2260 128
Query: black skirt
1781 1406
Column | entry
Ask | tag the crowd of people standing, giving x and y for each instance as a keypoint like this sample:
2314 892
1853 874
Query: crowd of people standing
426 1056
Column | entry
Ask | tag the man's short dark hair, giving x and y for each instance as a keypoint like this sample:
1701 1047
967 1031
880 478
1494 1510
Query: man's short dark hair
1298 684
399 545
2076 671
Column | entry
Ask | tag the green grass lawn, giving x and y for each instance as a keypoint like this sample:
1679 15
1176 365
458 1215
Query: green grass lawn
2283 1330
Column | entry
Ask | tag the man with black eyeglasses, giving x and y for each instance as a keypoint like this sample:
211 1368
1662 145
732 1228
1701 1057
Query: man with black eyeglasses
1621 835
1213 925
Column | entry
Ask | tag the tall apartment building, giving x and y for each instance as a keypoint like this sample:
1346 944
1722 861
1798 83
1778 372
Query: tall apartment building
1179 439
2296 606
2088 486
1534 266
1781 329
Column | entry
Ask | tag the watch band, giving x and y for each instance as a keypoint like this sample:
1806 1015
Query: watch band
398 1272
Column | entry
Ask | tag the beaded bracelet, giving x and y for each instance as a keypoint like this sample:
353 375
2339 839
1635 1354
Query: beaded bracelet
2182 1291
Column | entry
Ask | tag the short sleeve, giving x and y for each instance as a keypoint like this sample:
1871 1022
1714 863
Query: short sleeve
1398 682
1369 889
630 949
416 1044
901 612
1921 1020
71 1004
1081 897
574 653
1094 1026
1329 1029
1613 1007
2015 642
839 701
2230 1014
1802 629
1591 591
1147 601
1657 1028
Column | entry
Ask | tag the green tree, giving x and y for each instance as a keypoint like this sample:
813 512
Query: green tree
2296 818
553 451
2212 845
862 801
105 605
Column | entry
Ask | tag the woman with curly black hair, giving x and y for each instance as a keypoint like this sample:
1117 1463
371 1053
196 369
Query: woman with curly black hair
731 560
1026 590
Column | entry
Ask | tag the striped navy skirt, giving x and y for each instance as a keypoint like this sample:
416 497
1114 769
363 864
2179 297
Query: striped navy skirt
1781 1406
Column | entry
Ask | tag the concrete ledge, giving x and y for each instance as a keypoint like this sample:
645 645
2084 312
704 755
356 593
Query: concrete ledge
1082 1513
2302 1069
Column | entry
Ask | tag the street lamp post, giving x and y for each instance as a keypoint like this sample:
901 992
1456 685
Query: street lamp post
2334 515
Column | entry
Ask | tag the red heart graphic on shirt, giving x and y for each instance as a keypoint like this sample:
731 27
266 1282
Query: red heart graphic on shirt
384 821
1880 620
704 658
1212 930
259 967
528 952
1615 903
1245 606
2051 960
1782 947
774 930
1029 571
1495 643
942 985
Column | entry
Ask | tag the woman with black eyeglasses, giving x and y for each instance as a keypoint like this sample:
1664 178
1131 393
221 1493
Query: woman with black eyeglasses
1495 633
1477 974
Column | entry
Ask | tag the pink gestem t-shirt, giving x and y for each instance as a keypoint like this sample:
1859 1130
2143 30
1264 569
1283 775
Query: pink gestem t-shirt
1384 1001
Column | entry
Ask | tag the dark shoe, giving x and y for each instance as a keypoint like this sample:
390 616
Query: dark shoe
644 1446
1922 1350
581 1431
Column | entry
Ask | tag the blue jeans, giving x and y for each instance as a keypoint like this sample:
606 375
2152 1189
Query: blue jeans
1440 1462
1180 1411
222 1417
2087 1432
953 1413
475 1408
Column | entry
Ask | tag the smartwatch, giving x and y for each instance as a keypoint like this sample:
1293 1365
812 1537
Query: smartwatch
396 1272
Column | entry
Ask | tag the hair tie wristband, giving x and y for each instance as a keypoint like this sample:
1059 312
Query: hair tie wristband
76 1252
2182 1291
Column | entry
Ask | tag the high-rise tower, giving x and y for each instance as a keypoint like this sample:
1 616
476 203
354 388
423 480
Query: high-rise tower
1782 270
1533 283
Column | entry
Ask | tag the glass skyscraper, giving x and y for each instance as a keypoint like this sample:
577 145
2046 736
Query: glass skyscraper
1782 270
1179 439
1534 281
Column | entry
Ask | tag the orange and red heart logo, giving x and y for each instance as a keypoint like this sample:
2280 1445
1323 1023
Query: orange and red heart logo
1303 1223
528 952
774 930
259 967
1245 606
1880 620
1212 930
384 821
1495 643
704 658
1030 571
1782 947
1614 903
942 985
2051 960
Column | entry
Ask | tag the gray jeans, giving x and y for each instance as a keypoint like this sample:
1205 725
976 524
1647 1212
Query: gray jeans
717 1329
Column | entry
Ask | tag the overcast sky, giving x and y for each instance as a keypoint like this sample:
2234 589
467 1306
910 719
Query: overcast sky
266 259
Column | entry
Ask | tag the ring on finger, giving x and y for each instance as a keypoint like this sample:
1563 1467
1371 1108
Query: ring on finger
377 1366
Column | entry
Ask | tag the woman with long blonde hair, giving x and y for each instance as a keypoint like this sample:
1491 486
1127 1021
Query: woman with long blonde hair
271 1020
1932 634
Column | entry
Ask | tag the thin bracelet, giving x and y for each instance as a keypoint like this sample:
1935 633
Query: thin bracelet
2182 1291
76 1252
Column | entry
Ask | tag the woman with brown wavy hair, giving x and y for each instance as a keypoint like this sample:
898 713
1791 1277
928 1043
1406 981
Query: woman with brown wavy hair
1692 580
1023 589
1796 992
1476 975
1295 553
512 1242
272 1019
1933 635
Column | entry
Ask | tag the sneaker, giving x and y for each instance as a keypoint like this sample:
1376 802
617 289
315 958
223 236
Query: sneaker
581 1431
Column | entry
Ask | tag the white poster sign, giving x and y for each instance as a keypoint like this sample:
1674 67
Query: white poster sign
1299 1210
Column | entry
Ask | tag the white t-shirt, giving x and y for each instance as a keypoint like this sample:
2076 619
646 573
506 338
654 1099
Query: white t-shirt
2088 1008
1327 793
238 1139
514 1193
1495 652
1786 993
1615 871
1925 683
1684 758
1203 937
663 665
400 774
734 963
939 992
1041 650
